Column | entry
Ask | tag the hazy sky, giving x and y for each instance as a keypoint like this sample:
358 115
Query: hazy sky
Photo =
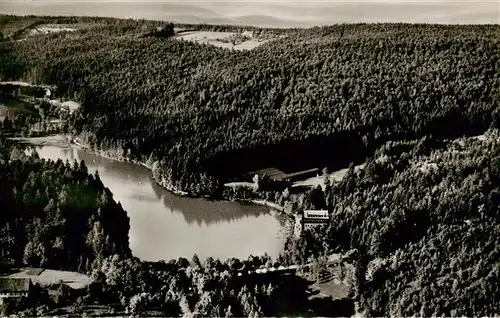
270 13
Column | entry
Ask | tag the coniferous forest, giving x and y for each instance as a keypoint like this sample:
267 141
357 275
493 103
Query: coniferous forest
198 109
418 104
426 225
56 215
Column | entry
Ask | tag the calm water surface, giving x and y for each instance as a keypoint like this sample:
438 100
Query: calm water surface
164 226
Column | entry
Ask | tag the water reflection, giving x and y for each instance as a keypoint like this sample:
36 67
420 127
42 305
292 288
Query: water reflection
201 211
165 226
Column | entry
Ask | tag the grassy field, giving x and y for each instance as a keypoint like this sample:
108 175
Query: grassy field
334 177
221 39
52 28
11 107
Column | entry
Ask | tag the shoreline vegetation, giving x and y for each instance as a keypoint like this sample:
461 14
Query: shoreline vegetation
65 141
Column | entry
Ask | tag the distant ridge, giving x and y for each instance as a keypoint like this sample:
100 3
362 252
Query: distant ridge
269 14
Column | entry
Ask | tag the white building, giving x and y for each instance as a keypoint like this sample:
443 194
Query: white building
248 33
311 219
320 215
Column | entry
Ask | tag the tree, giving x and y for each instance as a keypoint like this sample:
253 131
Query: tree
138 303
228 312
184 305
195 261
17 153
7 124
98 276
209 264
29 254
315 199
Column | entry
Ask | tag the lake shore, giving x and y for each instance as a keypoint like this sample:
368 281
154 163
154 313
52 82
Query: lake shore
183 225
66 141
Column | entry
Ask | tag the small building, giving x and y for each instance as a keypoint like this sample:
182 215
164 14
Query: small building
316 215
311 219
278 175
272 173
249 34
55 123
14 287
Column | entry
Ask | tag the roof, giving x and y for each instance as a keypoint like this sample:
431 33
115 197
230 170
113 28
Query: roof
272 173
299 173
316 214
8 284
314 221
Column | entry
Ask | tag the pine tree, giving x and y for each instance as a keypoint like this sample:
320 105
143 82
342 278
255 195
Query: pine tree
228 312
28 254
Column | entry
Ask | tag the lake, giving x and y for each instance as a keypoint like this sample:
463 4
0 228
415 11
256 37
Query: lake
165 226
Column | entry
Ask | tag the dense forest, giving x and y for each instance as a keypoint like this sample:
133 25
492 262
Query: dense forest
424 217
208 289
56 215
183 288
218 113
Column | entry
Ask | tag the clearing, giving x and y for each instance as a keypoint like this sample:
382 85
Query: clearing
20 106
70 105
334 177
51 28
301 177
55 140
14 103
25 84
228 40
240 184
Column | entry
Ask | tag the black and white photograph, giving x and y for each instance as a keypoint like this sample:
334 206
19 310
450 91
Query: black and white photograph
250 158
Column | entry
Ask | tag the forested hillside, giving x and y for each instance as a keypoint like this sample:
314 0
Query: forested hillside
56 215
209 289
424 217
205 114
